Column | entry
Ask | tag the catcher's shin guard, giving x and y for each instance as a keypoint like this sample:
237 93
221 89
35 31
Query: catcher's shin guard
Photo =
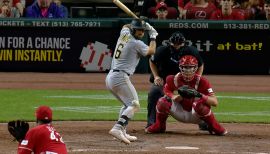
164 105
214 126
163 109
159 126
205 113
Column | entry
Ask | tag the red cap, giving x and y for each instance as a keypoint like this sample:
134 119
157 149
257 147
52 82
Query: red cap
161 5
44 113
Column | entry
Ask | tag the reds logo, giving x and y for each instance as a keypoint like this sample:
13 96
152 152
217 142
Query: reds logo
200 14
96 57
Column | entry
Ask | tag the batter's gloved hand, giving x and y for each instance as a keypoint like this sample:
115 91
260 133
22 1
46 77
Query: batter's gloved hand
153 34
186 92
18 129
148 27
151 31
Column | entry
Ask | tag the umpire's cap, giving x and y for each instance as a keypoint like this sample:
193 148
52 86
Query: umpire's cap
177 38
44 113
138 24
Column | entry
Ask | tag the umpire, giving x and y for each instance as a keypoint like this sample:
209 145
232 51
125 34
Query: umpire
163 63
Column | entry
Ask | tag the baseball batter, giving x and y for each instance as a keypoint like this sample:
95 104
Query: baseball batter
129 49
192 103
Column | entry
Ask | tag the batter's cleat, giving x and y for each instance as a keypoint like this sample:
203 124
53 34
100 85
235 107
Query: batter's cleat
131 138
119 134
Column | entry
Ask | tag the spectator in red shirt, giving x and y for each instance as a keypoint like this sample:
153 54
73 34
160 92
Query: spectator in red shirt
161 11
227 12
149 8
198 9
181 5
43 138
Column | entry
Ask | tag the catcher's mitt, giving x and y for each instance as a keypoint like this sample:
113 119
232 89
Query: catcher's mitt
187 92
18 129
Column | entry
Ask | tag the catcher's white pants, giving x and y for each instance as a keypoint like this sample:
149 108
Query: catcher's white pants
178 113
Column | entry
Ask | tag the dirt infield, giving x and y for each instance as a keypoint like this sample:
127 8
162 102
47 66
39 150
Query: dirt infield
92 136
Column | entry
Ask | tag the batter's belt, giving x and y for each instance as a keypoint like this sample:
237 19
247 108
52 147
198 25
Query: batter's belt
114 70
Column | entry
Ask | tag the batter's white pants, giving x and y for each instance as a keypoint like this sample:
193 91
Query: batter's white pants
121 87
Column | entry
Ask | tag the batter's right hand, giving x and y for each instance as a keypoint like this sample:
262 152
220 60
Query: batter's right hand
158 81
151 31
153 34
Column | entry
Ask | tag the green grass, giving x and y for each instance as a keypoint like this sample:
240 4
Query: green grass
101 105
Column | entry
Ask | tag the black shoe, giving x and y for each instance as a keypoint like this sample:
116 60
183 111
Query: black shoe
148 125
203 126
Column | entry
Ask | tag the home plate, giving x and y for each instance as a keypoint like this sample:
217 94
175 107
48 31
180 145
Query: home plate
182 148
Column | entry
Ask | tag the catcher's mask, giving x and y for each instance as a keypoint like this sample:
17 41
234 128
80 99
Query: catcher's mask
137 24
188 66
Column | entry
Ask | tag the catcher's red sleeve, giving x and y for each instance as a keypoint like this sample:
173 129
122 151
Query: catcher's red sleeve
169 87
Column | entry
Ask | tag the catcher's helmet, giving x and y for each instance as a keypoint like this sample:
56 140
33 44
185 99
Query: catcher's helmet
188 65
177 38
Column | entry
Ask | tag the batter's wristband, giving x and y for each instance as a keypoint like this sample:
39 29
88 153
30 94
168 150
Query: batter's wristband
152 39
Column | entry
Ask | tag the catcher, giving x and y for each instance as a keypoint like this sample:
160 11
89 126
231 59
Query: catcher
191 104
41 139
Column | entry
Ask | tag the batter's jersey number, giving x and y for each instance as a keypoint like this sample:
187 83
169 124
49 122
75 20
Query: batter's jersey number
118 51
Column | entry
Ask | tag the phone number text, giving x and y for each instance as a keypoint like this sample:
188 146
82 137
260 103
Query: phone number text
245 26
66 23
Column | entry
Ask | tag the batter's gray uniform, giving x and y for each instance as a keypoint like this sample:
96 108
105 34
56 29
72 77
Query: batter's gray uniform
125 59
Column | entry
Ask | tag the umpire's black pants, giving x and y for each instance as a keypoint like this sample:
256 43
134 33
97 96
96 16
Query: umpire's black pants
154 94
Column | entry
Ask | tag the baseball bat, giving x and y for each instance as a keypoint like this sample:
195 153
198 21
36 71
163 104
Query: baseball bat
124 8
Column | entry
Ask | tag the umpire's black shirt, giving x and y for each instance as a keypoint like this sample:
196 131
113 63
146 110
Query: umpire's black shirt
166 59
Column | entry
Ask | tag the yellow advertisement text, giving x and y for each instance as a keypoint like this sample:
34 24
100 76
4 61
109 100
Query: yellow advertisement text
31 55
